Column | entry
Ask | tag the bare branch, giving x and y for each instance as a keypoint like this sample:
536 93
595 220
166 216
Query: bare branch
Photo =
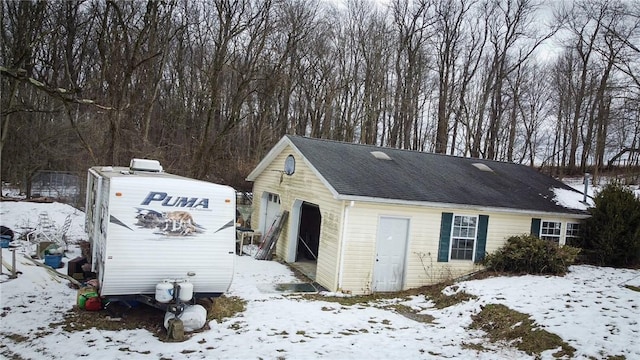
61 94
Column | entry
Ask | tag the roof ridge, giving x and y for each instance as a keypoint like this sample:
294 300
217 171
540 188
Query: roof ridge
404 150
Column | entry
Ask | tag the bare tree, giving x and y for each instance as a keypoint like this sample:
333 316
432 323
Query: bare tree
373 44
227 25
511 22
209 87
20 24
473 50
600 38
411 27
449 33
131 39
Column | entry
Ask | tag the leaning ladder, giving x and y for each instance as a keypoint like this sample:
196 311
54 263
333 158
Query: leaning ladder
268 244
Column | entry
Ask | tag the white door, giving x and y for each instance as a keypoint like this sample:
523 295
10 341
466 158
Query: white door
271 211
391 248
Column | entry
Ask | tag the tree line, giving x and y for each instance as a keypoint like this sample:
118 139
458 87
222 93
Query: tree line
208 87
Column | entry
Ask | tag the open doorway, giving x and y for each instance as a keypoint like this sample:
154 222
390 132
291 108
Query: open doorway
308 239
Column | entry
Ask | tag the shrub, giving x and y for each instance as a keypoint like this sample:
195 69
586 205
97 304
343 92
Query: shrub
529 254
612 233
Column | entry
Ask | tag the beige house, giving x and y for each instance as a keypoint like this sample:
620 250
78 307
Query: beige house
372 219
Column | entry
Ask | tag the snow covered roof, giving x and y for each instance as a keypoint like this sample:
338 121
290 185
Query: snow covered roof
572 199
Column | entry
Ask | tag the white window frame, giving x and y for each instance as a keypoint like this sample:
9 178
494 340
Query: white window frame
463 236
546 231
572 233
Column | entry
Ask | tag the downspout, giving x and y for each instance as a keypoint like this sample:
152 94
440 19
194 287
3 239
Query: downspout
345 221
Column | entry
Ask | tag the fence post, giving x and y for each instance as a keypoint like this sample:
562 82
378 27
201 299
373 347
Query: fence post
13 264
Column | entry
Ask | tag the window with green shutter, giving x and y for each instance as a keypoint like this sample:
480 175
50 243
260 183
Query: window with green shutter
462 237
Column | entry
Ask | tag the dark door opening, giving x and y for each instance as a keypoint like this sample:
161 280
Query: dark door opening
308 233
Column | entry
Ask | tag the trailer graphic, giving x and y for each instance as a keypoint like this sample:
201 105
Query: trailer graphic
172 223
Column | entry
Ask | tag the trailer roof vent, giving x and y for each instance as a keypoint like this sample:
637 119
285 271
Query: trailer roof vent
145 165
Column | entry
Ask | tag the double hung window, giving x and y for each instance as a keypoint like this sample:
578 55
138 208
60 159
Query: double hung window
550 230
573 233
463 237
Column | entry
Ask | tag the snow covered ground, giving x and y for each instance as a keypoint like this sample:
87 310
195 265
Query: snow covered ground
590 308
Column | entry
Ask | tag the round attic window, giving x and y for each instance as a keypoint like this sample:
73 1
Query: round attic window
290 165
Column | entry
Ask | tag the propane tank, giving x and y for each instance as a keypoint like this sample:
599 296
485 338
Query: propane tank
164 291
186 290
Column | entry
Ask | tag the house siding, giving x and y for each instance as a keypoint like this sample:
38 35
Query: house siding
422 266
359 249
303 185
360 244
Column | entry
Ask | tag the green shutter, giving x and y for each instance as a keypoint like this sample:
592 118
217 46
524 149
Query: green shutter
445 237
535 227
481 246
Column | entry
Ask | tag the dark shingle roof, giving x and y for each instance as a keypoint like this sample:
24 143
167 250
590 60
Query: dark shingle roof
416 176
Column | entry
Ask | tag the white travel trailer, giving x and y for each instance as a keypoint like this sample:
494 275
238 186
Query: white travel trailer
148 228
